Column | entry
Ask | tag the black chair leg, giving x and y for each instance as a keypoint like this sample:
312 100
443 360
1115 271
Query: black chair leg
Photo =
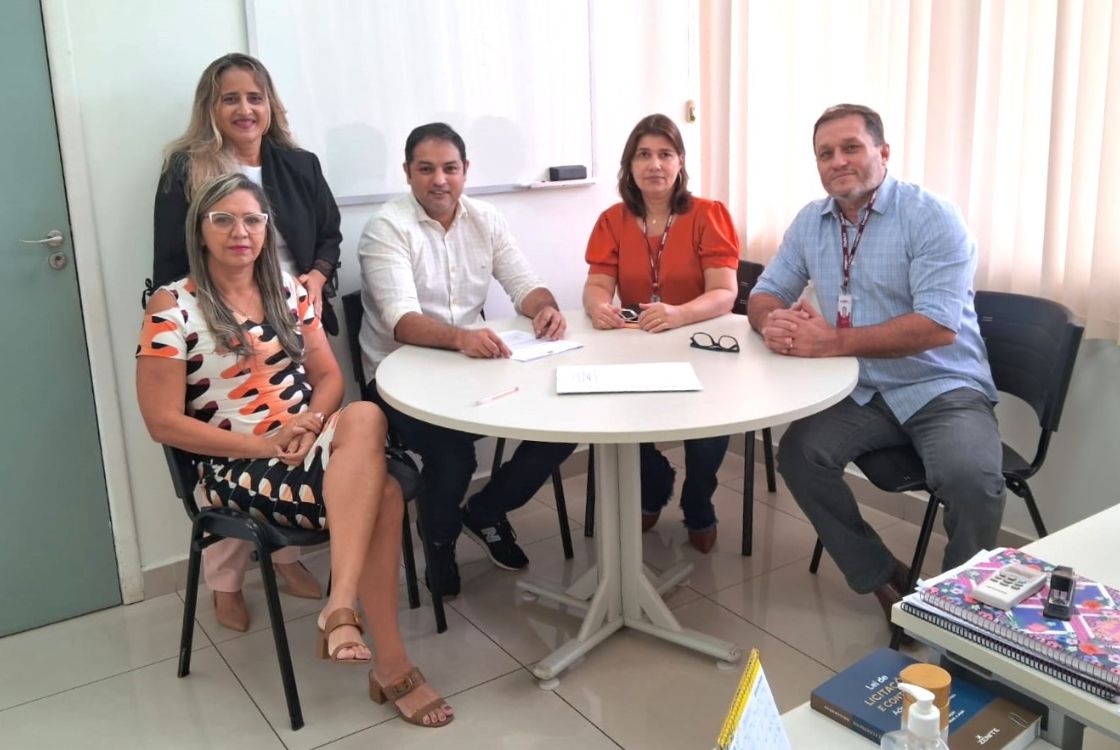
499 450
280 636
562 513
1023 490
924 535
437 597
768 458
190 604
409 556
816 561
748 494
589 507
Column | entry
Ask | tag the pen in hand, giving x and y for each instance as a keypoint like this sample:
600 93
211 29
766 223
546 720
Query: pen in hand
496 396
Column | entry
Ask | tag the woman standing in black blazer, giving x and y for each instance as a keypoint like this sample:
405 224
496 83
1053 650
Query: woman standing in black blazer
238 124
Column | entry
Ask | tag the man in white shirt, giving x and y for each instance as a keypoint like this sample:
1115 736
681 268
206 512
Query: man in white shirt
427 258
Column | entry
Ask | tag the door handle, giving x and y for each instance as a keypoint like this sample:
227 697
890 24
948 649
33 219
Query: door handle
53 239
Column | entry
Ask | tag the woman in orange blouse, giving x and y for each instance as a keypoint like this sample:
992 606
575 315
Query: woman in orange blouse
673 257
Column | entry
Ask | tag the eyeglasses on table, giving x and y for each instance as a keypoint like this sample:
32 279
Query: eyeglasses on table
725 343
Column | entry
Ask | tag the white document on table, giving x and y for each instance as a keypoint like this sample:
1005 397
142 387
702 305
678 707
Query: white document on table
524 346
643 377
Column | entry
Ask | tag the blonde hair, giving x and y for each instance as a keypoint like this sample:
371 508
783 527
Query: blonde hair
266 274
206 153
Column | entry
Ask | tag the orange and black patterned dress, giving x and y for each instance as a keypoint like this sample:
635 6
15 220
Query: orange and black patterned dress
256 395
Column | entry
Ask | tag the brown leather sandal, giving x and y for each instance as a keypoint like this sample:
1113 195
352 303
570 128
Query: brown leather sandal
341 617
399 689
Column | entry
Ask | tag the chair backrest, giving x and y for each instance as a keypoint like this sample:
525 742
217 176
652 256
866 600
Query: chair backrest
352 310
747 274
1032 347
184 476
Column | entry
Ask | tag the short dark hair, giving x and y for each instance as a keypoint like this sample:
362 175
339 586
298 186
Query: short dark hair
871 120
661 125
439 131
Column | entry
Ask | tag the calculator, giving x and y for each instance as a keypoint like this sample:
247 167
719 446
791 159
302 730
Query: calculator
1009 585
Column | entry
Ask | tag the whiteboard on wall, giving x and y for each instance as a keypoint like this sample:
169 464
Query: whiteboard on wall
356 76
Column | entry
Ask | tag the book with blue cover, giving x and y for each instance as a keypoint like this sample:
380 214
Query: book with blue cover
866 699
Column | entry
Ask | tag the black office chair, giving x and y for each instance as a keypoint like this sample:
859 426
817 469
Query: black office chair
212 524
352 311
748 274
1032 347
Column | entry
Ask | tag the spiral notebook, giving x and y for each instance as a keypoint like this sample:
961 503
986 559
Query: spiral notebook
966 631
1088 644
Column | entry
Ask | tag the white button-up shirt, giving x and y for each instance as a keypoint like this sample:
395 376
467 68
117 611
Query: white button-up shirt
411 265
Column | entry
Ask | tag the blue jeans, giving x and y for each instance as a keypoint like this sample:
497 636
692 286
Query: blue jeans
957 437
449 463
702 459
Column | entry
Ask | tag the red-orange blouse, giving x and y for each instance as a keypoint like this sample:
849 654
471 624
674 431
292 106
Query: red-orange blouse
702 238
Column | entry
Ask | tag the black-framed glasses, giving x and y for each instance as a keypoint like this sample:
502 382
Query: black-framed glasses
225 222
725 343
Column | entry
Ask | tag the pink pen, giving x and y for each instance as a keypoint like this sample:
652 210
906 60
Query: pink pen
496 396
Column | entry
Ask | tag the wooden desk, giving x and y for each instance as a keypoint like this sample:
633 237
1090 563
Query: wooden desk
745 391
1090 547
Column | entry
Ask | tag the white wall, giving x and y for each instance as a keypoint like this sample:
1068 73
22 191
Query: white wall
135 66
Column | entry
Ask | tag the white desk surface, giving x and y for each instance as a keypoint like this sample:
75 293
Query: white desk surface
746 391
807 728
1089 547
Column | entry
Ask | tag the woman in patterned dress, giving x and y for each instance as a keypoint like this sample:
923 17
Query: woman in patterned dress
233 364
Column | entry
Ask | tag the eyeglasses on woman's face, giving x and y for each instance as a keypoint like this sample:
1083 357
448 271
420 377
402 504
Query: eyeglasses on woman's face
702 340
254 223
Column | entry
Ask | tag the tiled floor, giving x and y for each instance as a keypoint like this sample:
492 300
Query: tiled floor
107 680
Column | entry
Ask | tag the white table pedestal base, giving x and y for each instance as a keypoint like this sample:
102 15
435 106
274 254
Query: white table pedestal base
618 592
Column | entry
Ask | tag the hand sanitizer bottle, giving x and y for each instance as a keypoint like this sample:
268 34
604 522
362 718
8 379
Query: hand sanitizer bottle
923 724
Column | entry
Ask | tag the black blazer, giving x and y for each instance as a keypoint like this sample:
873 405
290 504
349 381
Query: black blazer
303 209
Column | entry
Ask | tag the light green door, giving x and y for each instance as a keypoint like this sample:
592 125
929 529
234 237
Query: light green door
56 542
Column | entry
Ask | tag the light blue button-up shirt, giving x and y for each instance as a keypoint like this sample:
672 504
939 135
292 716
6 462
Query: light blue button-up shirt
916 256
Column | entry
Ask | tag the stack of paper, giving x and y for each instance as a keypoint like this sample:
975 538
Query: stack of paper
524 346
637 378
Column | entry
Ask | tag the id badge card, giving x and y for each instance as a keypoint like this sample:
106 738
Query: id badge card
844 311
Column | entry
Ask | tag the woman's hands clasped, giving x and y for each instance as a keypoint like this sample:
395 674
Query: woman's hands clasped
293 441
657 317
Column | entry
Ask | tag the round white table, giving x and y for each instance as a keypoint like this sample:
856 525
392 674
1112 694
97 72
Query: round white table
748 390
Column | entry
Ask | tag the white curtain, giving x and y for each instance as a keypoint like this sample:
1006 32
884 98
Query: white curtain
1010 108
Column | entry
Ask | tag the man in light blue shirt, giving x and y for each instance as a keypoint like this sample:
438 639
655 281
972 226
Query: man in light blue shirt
892 266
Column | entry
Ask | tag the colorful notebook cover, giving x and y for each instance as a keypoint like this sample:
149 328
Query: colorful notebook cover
1089 643
866 699
1011 651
